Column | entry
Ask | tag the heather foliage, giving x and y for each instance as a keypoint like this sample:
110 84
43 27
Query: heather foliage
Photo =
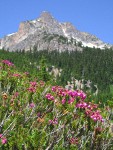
38 115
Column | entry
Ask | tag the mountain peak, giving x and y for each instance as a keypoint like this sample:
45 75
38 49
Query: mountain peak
46 16
47 33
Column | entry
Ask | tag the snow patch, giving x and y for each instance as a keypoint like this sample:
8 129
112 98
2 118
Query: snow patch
34 21
65 33
11 34
93 45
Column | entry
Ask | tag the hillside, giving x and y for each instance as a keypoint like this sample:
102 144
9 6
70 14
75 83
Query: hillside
92 64
40 115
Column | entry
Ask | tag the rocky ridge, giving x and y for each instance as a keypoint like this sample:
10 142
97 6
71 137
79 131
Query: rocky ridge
46 32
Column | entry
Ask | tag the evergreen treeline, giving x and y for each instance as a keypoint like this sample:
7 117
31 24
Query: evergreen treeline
91 64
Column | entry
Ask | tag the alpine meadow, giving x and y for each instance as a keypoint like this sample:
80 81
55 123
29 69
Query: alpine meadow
56 88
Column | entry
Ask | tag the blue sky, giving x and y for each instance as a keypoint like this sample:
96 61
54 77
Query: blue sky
92 16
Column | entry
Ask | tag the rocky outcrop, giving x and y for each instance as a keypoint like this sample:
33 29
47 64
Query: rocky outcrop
47 33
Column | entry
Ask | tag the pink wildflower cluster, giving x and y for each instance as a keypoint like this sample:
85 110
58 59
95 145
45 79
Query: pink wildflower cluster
73 140
49 96
76 93
54 121
95 115
60 90
68 93
71 100
32 87
32 105
7 62
3 139
16 75
71 95
90 110
82 105
33 84
63 101
63 92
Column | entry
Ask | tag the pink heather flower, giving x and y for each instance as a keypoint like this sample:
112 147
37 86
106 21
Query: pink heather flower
63 101
72 93
89 106
16 75
38 114
33 83
71 100
60 91
88 112
7 62
81 94
1 135
31 105
78 105
73 140
26 73
59 88
4 140
95 115
31 89
16 94
92 106
49 96
102 120
81 105
63 93
50 121
85 104
54 88
54 121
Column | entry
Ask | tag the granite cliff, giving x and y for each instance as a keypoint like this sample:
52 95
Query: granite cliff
46 32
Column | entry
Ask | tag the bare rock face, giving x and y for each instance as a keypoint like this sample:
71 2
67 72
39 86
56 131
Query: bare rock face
47 33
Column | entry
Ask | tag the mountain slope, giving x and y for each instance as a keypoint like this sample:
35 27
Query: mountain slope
47 33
